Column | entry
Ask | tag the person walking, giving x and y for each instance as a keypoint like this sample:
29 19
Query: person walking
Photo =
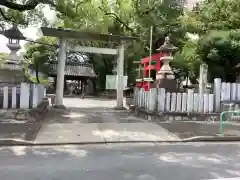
83 88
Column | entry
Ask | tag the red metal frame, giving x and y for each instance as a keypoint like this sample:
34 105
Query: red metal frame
146 67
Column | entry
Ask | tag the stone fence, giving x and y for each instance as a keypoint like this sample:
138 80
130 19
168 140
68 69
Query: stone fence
160 101
22 96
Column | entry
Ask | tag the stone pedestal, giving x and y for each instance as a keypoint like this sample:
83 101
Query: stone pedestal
165 76
169 84
11 75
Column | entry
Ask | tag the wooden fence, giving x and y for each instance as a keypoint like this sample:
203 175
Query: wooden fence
22 96
159 100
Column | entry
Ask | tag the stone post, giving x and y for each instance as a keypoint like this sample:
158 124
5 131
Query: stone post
61 72
202 84
217 93
203 79
120 74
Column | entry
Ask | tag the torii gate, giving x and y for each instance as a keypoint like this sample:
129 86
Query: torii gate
65 35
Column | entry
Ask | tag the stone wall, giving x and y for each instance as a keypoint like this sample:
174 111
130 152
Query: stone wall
174 116
33 114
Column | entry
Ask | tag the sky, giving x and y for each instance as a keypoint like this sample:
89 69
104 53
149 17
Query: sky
30 33
191 3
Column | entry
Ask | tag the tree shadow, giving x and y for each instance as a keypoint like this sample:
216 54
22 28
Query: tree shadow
94 114
186 162
26 131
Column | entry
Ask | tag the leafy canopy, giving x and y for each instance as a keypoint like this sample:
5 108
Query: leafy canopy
38 54
221 51
212 15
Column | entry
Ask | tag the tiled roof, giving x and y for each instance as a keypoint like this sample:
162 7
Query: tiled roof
13 33
75 70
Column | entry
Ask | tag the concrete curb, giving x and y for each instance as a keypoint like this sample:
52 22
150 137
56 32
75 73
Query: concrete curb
14 142
18 142
211 139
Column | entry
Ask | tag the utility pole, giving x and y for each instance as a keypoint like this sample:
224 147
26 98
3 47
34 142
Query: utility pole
149 66
150 56
150 62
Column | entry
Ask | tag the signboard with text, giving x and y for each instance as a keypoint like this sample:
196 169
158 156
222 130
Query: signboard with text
111 82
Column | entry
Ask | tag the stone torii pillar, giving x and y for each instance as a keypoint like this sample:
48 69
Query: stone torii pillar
61 72
120 76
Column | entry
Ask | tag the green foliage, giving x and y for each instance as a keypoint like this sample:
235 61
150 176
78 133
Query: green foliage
38 54
125 17
130 18
212 15
30 17
163 16
3 56
221 51
186 62
217 22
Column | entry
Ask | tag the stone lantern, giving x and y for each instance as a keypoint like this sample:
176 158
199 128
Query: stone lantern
165 76
11 71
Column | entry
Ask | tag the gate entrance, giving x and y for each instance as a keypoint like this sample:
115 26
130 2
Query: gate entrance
64 46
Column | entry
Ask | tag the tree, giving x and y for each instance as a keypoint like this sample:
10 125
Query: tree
126 17
212 15
3 56
38 54
220 50
130 18
29 5
13 12
186 62
28 12
217 23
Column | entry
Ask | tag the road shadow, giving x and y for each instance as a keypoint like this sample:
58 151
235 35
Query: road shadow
91 110
90 115
24 130
120 162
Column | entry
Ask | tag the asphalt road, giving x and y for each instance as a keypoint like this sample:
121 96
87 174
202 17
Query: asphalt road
192 161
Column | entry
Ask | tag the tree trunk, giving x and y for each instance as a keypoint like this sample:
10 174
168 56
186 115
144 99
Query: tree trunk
37 74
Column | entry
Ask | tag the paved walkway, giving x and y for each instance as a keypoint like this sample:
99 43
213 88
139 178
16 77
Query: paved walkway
90 111
95 120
